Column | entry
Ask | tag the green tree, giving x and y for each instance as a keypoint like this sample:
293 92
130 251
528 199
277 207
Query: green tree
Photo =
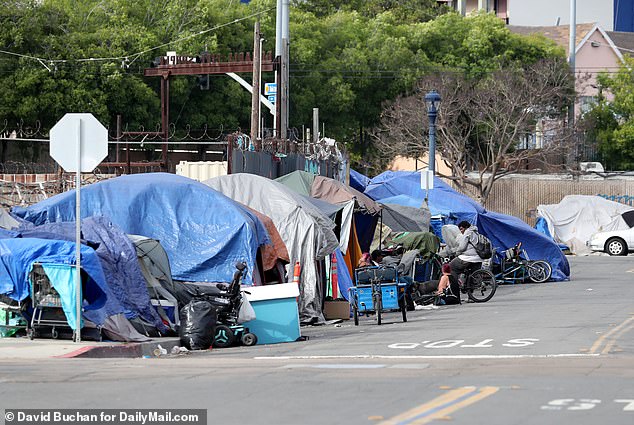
610 124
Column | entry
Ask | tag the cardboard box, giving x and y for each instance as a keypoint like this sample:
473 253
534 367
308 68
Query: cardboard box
337 309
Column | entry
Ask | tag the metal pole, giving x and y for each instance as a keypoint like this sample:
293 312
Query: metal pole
255 95
282 92
278 29
573 34
78 295
432 113
260 123
572 61
315 125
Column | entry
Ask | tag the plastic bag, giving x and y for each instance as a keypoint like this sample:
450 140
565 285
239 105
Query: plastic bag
246 312
198 320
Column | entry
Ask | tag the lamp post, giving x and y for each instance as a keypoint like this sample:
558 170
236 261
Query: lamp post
432 99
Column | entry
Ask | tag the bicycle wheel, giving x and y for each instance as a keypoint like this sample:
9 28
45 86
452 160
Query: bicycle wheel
378 305
482 286
403 306
539 271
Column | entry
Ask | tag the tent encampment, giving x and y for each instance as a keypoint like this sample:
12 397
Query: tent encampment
306 231
503 230
125 282
203 232
577 217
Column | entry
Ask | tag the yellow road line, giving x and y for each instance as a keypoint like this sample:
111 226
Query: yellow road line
610 344
441 406
597 344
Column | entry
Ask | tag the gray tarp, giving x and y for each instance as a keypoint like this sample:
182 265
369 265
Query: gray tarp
307 233
6 221
155 267
401 218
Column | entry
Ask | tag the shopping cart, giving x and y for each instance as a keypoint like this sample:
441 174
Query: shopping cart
47 305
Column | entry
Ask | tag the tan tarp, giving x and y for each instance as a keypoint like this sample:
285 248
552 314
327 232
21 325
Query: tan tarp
335 192
277 250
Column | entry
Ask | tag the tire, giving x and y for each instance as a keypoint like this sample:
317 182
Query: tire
403 306
482 286
539 271
616 246
378 306
249 339
223 336
355 315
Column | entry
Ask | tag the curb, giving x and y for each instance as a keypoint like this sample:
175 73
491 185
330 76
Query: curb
122 350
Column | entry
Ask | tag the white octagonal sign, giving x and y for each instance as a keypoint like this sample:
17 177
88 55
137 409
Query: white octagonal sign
78 135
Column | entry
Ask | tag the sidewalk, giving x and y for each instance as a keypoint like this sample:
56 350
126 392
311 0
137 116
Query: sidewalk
41 348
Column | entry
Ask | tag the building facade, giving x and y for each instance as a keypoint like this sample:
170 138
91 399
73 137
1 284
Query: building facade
611 15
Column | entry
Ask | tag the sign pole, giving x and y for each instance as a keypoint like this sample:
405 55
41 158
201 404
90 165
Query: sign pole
78 294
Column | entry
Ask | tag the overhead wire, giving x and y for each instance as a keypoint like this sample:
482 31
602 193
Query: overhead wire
136 55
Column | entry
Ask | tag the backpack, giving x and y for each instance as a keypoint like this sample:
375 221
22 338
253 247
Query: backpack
482 246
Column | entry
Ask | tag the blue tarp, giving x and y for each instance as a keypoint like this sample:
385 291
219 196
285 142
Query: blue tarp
203 232
62 278
126 284
390 186
344 278
17 256
358 181
503 230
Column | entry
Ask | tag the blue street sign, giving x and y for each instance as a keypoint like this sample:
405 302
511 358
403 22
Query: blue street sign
270 88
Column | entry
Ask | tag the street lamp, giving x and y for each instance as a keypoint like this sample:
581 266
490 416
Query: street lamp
432 99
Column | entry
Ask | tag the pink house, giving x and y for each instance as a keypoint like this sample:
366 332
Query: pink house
597 51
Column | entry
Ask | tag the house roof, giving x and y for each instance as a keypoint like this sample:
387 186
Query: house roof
559 34
624 41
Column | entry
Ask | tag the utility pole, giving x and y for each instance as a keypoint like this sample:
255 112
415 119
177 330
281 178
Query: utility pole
283 91
282 51
255 95
315 125
572 60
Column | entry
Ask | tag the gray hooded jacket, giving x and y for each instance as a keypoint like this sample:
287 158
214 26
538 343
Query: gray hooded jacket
466 251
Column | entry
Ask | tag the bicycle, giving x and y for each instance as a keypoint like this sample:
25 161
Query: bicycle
515 266
478 283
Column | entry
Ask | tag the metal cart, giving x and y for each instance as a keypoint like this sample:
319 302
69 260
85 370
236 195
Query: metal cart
377 290
47 305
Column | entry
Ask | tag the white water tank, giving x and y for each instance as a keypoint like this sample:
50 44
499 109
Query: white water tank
201 170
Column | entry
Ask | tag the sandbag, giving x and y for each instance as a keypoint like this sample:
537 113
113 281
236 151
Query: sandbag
198 320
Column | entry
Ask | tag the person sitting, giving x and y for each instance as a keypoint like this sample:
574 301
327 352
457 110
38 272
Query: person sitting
376 257
446 290
467 258
365 261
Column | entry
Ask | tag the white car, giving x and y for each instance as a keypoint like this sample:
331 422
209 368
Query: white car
615 242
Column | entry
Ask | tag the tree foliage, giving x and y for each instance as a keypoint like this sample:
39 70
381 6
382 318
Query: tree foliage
348 58
610 124
482 121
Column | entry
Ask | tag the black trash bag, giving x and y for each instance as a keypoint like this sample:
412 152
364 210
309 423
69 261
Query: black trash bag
198 321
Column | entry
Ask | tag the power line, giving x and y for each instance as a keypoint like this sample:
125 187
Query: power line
43 61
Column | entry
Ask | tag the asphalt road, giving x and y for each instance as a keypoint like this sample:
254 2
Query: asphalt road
554 353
